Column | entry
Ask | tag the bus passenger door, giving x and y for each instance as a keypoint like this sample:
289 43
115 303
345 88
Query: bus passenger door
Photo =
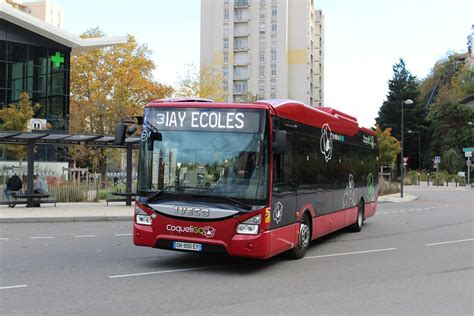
283 211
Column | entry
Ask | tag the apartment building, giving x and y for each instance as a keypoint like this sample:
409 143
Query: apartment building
44 10
265 48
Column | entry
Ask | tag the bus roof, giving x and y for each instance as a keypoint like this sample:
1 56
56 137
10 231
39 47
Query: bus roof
338 121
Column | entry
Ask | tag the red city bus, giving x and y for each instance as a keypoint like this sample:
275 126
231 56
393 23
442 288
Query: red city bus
251 179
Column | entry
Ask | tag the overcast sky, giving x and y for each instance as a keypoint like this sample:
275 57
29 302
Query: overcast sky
363 39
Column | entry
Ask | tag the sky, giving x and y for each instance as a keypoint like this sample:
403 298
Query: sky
363 39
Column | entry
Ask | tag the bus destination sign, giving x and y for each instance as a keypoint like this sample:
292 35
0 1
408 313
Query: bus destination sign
237 120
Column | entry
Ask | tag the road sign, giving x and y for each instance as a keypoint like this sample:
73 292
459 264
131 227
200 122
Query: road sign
468 154
405 160
437 159
461 174
471 149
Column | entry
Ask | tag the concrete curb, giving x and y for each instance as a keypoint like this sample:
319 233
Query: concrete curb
395 198
66 219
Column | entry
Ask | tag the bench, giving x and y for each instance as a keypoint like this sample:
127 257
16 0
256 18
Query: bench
22 198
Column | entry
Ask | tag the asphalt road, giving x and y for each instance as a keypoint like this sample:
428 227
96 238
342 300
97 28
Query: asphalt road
411 258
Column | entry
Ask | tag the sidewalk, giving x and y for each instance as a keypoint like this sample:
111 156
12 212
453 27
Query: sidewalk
395 198
67 212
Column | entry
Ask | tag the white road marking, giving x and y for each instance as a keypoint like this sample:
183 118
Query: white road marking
449 242
120 235
4 239
419 209
165 271
42 237
350 253
12 287
84 236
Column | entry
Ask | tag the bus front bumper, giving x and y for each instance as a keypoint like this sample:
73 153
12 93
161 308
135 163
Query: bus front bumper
218 237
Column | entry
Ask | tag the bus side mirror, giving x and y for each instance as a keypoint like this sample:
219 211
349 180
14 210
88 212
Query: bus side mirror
157 136
279 142
120 133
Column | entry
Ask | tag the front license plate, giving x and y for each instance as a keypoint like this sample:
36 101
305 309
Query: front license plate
187 246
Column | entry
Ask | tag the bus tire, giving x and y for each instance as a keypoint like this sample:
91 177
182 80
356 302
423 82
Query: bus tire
304 239
357 226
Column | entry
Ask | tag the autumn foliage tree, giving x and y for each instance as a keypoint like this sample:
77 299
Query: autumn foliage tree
15 117
108 84
203 83
389 147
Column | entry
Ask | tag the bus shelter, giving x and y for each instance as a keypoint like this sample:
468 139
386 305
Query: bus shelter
33 139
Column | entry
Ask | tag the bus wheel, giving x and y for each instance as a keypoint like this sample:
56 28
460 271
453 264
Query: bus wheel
304 238
357 226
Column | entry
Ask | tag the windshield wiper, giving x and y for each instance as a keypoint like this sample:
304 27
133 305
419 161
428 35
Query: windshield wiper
238 203
243 205
152 197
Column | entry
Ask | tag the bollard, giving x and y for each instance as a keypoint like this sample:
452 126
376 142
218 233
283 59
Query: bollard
456 181
428 179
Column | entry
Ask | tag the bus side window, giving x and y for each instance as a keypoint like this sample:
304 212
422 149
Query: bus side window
283 165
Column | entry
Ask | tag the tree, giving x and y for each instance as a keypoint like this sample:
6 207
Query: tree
448 116
205 83
15 117
108 84
389 147
401 87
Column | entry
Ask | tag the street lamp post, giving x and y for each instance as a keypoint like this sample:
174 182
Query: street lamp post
407 102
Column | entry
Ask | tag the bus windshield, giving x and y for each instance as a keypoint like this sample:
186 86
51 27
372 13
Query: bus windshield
210 153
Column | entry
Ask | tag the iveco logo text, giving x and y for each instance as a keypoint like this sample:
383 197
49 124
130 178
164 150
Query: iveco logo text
192 211
206 231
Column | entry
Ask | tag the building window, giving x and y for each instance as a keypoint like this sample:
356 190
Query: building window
226 14
238 15
240 86
225 72
226 2
226 57
274 12
240 3
239 44
273 96
226 43
262 42
274 41
262 15
273 86
274 56
261 57
273 70
261 71
226 29
262 27
261 86
225 85
262 2
274 27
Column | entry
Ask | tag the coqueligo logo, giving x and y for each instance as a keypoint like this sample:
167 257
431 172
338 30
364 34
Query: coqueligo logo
206 231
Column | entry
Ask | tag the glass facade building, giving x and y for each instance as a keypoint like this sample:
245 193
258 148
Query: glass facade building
39 66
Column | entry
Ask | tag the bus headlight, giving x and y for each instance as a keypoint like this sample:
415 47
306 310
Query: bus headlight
250 226
141 217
